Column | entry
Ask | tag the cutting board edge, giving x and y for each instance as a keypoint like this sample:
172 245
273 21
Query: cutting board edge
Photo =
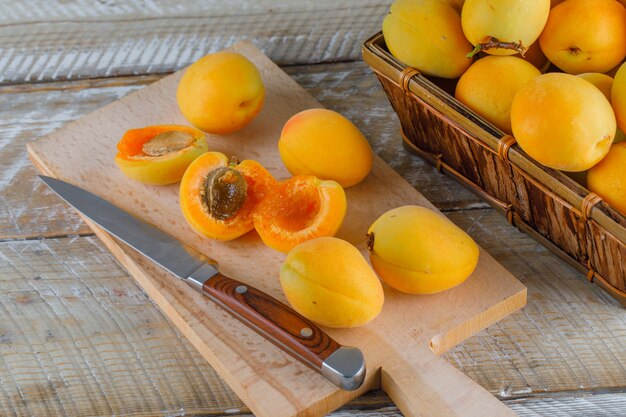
442 342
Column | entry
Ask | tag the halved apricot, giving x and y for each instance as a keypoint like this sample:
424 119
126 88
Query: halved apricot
298 209
218 197
159 154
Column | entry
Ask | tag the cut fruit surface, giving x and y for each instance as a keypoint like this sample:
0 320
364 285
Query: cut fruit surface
159 154
218 198
299 209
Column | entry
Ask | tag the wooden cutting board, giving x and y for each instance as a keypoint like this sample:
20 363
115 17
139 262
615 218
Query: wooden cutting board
400 345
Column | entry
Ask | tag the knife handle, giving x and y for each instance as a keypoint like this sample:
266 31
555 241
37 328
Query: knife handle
287 329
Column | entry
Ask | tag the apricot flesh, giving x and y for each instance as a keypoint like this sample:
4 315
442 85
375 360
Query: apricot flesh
160 154
298 209
608 177
489 85
427 35
325 144
237 219
221 92
416 250
563 122
585 35
328 281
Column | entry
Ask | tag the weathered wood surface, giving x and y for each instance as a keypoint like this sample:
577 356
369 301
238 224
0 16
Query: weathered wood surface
265 378
57 40
503 369
29 209
563 355
54 293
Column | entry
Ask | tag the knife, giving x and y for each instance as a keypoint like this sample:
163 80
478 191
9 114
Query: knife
344 366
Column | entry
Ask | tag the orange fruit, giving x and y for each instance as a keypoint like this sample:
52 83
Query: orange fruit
159 154
219 198
585 35
608 177
299 209
325 144
328 281
563 121
489 85
221 93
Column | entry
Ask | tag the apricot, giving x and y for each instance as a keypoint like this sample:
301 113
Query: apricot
563 121
221 93
427 35
325 144
489 85
585 35
608 177
503 27
618 96
299 209
218 197
159 154
416 250
602 82
328 281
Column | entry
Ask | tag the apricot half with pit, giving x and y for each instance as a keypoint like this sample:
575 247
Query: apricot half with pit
218 197
418 251
328 281
159 154
299 209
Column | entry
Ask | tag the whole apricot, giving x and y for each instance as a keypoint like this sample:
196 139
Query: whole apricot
328 281
489 85
427 35
503 27
602 81
618 97
563 121
325 144
221 93
585 35
608 177
419 251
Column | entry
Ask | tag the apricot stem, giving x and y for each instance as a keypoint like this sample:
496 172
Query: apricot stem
494 43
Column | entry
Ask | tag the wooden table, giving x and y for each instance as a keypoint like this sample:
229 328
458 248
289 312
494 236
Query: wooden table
79 337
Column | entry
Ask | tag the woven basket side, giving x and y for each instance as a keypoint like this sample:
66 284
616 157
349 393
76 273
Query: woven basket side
518 195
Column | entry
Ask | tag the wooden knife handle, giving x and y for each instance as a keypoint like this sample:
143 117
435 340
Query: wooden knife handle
293 333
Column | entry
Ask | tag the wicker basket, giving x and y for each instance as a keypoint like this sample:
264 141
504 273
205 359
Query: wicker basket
558 212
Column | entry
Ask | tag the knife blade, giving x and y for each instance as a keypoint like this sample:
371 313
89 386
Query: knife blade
344 366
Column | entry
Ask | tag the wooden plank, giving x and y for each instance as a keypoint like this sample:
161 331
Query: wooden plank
267 379
57 40
29 210
81 281
79 337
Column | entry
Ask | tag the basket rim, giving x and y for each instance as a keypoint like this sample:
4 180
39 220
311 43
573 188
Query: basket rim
574 194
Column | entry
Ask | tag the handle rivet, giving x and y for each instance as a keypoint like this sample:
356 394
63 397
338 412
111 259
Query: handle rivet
306 332
241 289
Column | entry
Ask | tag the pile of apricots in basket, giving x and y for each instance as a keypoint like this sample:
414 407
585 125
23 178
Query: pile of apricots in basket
549 73
412 249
